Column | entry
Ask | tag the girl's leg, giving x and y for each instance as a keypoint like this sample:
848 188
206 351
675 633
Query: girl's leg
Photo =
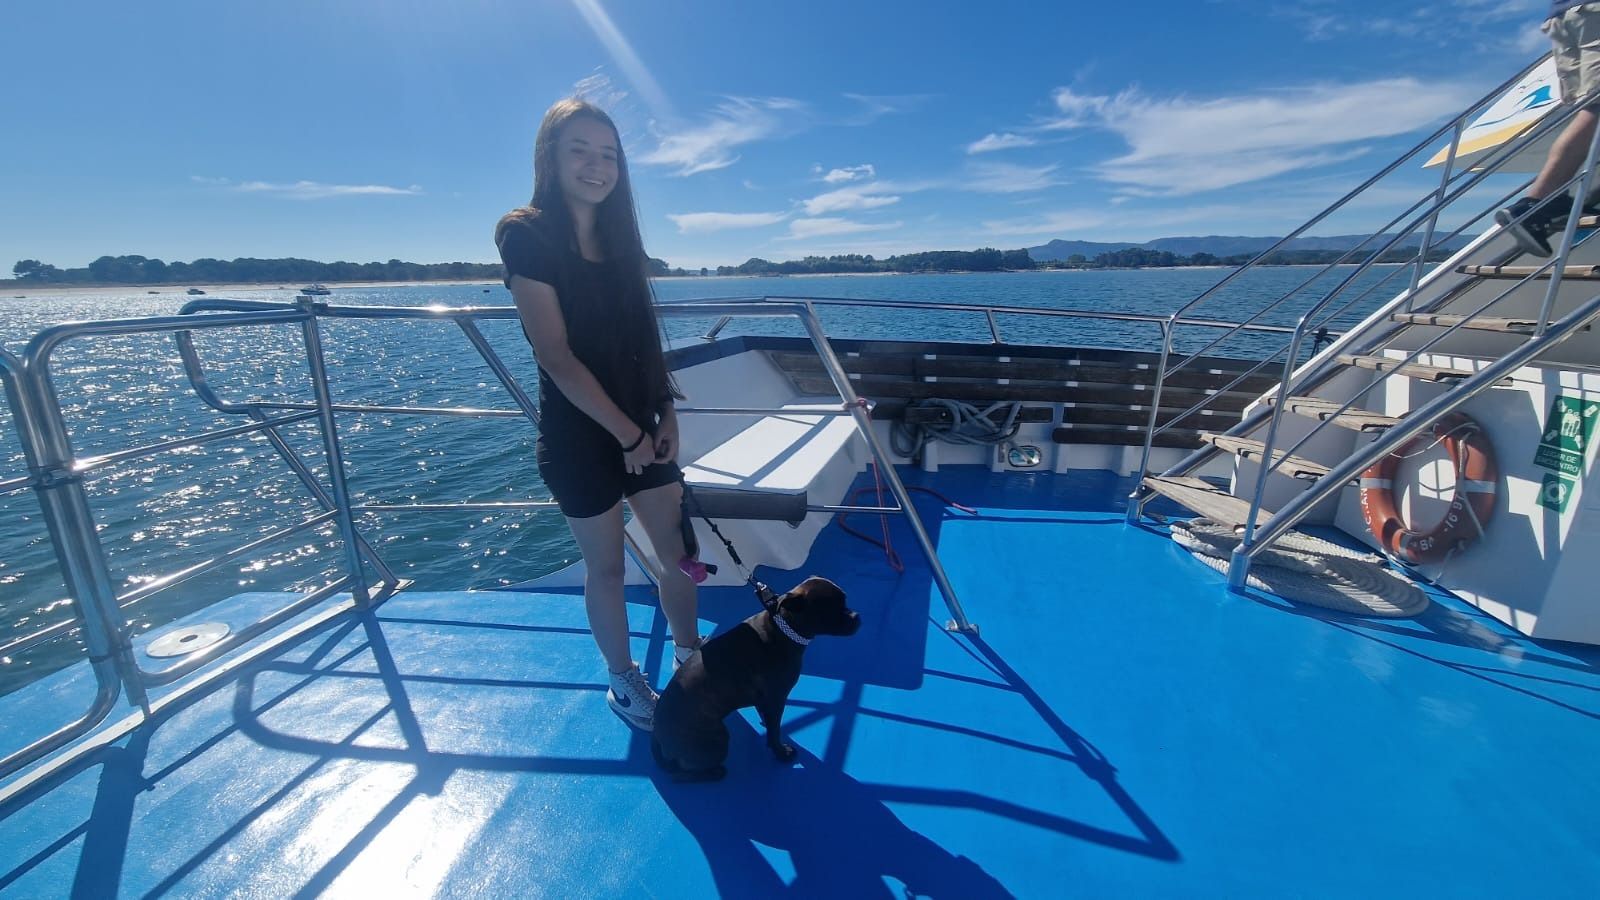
658 510
600 541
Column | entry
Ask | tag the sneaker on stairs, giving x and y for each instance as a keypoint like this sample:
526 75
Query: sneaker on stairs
1532 234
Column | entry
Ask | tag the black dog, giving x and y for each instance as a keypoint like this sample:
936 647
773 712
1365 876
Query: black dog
755 664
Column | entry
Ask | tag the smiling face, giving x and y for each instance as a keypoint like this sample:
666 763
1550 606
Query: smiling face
586 161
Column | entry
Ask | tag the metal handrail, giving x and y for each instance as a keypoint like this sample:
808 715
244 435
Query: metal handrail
1555 266
992 310
464 317
1396 435
858 411
1469 179
107 684
1315 317
1421 146
80 550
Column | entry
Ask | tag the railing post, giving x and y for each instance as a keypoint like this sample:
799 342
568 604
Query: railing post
994 329
101 661
1135 502
1433 219
841 381
1581 191
65 508
1239 564
330 445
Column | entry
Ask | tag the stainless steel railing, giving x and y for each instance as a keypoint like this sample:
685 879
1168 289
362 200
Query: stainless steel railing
465 317
856 409
989 311
1295 378
24 416
57 474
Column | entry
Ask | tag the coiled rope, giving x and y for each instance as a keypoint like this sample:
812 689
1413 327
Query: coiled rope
1305 569
967 425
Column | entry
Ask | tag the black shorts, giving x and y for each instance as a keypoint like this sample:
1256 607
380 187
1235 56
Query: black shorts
585 472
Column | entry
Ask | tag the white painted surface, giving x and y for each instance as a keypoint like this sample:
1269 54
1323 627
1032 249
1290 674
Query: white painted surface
1535 569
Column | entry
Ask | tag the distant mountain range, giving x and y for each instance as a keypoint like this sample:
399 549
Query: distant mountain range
1216 245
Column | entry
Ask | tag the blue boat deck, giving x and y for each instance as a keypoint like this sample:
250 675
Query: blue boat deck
1123 726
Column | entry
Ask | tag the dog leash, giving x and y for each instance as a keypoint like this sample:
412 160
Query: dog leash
697 571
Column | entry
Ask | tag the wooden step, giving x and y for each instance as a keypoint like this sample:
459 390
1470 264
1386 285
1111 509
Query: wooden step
1249 448
1478 323
1570 273
1513 325
1216 505
1355 419
1411 370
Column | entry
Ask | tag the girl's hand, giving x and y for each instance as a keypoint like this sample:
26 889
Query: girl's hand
643 455
667 440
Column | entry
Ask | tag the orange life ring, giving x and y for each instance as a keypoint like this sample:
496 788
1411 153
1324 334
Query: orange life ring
1471 505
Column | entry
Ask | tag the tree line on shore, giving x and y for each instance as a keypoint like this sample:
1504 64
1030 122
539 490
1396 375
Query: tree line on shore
989 259
135 269
144 270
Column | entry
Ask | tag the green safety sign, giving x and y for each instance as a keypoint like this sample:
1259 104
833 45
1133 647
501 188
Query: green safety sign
1555 491
1568 431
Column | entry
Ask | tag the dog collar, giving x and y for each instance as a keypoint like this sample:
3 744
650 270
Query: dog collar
788 632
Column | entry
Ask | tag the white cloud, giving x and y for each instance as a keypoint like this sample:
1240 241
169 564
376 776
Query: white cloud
1076 110
875 107
600 90
1441 23
800 229
992 142
1046 226
309 190
707 222
848 173
710 145
1181 145
1007 178
861 196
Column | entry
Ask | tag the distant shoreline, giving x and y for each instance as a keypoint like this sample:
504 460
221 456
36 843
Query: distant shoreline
10 290
13 290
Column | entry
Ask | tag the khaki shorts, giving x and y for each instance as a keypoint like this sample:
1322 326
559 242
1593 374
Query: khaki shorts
1576 35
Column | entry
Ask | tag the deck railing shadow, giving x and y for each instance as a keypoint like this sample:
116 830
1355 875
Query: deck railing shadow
123 778
1449 628
840 834
841 838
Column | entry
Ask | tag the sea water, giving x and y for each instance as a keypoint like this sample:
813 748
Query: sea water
158 514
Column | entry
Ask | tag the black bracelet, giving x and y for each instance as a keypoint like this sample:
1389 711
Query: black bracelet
637 441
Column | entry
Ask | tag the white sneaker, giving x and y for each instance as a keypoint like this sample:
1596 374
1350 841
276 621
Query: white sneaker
632 698
681 654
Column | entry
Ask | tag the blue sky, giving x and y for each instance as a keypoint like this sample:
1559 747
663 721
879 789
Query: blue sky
370 129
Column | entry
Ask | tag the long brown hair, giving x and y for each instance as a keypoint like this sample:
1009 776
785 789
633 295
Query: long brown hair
617 227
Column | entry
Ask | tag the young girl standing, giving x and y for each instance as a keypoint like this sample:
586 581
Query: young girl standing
576 267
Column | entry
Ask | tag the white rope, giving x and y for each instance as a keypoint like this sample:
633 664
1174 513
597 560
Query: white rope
1304 569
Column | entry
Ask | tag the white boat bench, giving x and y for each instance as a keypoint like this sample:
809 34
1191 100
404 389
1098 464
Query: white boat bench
816 456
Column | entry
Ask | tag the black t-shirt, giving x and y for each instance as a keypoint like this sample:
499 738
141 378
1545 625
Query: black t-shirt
590 297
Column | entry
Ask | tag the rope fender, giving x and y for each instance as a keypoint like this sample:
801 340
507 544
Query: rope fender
1471 504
